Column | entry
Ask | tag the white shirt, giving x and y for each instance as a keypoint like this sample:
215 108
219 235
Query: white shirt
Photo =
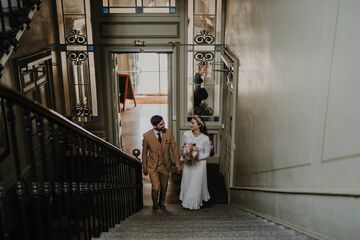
157 133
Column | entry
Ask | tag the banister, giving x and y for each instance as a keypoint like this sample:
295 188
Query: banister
16 97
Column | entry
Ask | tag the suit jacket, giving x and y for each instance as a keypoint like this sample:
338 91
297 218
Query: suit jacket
151 146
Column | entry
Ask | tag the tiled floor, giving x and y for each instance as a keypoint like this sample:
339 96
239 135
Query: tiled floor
135 122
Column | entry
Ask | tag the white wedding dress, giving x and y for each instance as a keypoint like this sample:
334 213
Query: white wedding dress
194 188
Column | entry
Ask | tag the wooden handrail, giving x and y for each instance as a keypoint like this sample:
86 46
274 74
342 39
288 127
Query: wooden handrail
16 97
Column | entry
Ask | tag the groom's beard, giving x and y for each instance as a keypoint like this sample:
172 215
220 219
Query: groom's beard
160 129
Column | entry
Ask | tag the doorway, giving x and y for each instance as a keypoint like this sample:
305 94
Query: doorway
146 92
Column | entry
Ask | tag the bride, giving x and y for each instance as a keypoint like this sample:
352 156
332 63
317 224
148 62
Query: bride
194 188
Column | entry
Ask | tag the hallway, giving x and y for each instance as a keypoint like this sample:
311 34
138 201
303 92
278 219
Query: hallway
218 222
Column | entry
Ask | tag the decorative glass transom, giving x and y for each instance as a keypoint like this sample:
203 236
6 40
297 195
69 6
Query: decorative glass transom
139 6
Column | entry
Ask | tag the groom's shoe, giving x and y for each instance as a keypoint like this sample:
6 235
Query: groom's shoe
155 196
162 199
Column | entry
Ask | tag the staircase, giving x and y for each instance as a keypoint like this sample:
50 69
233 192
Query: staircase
218 222
15 18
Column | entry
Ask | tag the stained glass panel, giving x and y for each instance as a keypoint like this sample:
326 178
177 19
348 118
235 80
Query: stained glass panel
139 6
204 7
77 58
203 82
74 7
122 3
155 3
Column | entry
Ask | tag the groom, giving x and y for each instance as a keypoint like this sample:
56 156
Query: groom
157 144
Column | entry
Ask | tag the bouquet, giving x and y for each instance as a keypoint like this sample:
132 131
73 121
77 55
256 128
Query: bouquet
189 153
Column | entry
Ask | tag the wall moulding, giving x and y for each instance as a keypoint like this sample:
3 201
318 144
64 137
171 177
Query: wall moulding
337 193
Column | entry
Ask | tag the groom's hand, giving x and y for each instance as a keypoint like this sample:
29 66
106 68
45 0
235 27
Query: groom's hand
178 169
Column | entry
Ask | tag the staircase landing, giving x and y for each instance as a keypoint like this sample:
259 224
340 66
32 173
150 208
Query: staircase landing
219 221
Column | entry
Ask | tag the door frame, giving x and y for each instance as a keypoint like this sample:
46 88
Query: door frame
231 64
112 118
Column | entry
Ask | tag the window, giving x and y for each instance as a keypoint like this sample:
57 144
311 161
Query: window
204 48
77 58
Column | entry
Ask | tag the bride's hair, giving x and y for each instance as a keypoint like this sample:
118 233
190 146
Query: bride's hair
200 121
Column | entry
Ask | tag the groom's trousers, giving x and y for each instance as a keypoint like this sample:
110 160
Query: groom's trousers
159 182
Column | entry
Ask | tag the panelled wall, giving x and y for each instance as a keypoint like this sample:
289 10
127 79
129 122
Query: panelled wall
297 122
42 35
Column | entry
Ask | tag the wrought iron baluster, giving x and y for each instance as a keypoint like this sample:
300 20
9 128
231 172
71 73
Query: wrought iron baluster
124 182
76 187
132 188
21 197
107 189
55 155
101 167
66 206
29 147
112 189
80 176
92 194
123 190
37 200
4 235
95 190
20 186
85 198
75 208
11 119
40 127
65 200
48 222
60 231
99 190
128 188
113 180
118 189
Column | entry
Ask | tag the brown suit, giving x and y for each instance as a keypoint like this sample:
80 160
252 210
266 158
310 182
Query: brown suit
156 159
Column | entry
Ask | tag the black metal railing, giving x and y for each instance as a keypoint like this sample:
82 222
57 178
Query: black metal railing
61 181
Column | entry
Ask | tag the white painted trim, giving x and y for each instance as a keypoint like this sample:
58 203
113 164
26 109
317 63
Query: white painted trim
355 193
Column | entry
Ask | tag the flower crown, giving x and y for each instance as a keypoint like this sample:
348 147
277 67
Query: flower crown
199 121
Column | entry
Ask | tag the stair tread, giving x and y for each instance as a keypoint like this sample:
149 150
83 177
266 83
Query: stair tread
216 222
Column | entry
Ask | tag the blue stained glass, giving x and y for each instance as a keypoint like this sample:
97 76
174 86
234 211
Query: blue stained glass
105 10
218 47
90 48
139 10
172 10
94 119
61 47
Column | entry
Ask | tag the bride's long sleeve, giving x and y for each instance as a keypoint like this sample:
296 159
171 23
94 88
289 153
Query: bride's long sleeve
205 149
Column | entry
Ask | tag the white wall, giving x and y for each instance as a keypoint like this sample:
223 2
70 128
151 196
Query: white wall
298 114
